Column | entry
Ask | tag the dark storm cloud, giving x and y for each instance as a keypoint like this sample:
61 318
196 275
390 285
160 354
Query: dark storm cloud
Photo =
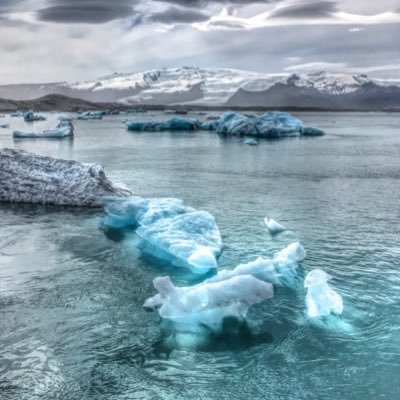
179 15
319 9
86 11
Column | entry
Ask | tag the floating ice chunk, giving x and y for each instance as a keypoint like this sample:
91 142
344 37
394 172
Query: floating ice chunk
273 226
17 114
250 142
321 300
192 308
174 124
169 230
4 125
190 240
62 130
137 211
90 115
280 270
31 117
63 117
271 125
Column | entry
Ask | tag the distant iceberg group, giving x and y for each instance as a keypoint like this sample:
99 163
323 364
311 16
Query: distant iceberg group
271 125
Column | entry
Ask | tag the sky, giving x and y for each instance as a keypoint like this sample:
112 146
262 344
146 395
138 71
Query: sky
75 40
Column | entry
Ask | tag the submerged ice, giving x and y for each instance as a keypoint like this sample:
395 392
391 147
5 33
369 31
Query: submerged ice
230 293
169 230
321 300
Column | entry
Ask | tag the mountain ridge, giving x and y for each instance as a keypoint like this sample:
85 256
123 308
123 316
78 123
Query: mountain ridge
216 87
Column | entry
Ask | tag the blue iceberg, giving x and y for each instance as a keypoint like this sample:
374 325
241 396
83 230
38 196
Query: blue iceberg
271 125
321 300
31 117
173 124
169 230
64 129
86 115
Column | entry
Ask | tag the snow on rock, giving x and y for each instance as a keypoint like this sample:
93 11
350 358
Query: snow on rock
31 178
321 300
169 231
273 226
64 129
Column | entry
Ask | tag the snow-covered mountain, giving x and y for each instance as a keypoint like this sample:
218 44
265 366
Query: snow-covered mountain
221 86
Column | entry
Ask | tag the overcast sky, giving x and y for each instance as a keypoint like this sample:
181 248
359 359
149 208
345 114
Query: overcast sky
58 40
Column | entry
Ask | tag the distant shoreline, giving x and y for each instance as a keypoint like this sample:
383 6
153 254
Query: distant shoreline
56 102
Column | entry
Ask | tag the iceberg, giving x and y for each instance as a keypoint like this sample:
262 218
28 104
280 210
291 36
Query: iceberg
230 293
250 142
17 114
273 226
280 270
321 300
271 125
169 231
31 117
173 124
31 178
64 129
86 115
206 305
63 117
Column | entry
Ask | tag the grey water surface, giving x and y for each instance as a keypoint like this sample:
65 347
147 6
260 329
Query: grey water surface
71 321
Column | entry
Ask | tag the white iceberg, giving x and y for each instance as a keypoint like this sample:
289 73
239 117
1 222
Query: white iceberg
321 300
273 226
193 308
228 294
250 142
169 231
64 129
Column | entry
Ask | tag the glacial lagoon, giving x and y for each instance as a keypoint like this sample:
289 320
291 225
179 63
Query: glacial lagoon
72 324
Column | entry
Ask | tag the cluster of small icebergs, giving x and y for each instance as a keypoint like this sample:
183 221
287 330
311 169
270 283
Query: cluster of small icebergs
271 125
187 238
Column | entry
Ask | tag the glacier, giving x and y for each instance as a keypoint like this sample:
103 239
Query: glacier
229 293
321 300
169 230
271 125
32 178
64 129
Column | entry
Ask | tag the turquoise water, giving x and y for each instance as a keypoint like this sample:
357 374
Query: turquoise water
71 321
